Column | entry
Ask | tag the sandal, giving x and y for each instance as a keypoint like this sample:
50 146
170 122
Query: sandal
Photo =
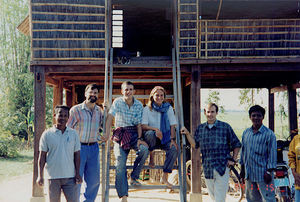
135 183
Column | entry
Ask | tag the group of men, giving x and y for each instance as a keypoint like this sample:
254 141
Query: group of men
220 147
70 150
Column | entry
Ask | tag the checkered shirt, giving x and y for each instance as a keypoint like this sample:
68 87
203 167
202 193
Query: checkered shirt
125 116
215 146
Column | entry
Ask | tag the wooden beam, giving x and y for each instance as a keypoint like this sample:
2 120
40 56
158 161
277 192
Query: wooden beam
69 97
39 123
57 95
271 111
292 110
278 89
195 121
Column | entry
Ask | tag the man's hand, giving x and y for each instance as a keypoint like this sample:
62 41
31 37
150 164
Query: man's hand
158 134
184 131
267 177
242 173
173 142
40 181
104 138
139 142
78 179
230 163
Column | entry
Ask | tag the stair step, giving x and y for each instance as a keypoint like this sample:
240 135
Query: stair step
144 167
147 187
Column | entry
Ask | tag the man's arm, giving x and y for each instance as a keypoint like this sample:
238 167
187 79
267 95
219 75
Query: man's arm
108 124
78 178
190 138
42 162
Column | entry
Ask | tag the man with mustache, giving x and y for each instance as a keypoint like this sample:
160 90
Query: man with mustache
86 118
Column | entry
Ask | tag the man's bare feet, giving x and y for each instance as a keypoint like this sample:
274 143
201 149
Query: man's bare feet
151 160
164 180
124 199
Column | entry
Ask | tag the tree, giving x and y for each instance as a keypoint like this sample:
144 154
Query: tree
213 97
16 81
247 97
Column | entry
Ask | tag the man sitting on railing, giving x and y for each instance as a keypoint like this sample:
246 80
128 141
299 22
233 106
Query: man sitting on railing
127 112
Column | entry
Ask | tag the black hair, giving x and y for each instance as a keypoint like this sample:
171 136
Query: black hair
257 108
64 107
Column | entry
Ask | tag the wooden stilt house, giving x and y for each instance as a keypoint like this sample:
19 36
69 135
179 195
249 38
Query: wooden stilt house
213 44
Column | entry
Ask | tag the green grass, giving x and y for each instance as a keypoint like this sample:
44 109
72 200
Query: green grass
12 167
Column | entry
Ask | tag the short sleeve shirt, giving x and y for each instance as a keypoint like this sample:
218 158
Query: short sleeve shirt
125 115
60 150
152 118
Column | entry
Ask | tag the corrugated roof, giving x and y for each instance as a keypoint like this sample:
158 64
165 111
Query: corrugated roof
24 26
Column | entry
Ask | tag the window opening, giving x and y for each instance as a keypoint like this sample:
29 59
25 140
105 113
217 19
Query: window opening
117 28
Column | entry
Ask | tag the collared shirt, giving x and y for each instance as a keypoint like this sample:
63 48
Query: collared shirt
152 118
215 146
60 150
259 152
86 122
125 115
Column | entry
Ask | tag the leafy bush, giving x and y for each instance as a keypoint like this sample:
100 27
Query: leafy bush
9 145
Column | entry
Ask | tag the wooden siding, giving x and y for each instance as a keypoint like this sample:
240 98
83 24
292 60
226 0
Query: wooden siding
68 29
263 38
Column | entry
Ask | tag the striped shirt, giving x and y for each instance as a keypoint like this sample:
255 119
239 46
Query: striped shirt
86 122
125 115
215 143
259 152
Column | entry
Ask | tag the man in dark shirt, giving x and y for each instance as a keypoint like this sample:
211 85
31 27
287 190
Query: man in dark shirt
216 140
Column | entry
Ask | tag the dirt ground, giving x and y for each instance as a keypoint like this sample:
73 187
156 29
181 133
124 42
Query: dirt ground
19 190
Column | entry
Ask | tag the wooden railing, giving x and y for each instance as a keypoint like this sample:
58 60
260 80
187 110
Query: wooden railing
259 38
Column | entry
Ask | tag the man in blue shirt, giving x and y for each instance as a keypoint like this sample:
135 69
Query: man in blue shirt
258 158
216 140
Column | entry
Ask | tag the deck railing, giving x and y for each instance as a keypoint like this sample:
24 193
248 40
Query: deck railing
248 38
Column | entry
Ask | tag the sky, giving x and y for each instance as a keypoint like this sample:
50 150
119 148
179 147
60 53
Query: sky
229 98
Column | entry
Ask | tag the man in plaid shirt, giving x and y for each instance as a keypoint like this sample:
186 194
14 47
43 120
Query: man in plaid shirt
127 112
216 140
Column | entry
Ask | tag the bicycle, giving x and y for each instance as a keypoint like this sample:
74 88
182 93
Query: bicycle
236 188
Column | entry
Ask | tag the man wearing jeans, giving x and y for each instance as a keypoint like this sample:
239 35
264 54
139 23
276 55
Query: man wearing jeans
216 140
86 118
127 112
60 152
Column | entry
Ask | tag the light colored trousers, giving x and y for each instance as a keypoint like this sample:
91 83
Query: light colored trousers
218 186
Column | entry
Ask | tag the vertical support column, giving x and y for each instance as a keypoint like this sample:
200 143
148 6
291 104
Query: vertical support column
292 109
74 97
69 97
271 111
195 121
39 123
57 95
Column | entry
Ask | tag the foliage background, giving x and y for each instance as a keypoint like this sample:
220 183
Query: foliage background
16 80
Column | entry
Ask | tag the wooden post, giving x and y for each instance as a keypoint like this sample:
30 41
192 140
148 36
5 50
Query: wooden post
195 121
292 109
69 97
57 95
74 97
39 123
271 111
